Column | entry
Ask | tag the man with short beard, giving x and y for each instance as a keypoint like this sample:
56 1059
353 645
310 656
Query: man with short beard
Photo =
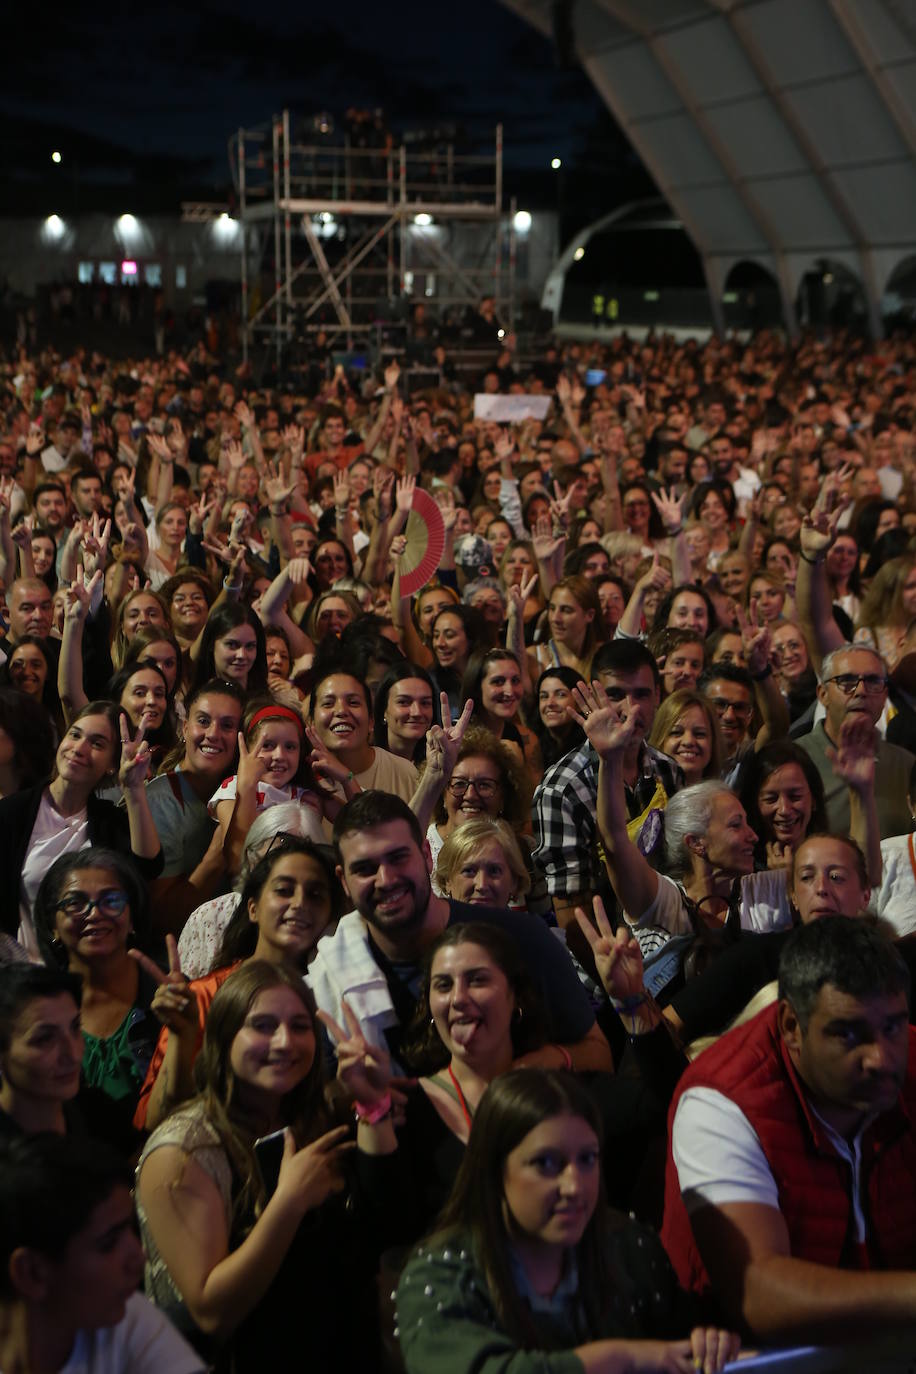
374 960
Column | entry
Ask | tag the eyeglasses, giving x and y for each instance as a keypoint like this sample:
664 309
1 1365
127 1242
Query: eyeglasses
484 787
742 709
77 904
873 683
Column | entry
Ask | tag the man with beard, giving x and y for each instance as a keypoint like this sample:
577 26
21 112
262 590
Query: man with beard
792 1151
374 960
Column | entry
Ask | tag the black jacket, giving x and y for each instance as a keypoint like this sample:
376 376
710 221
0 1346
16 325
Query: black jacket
108 826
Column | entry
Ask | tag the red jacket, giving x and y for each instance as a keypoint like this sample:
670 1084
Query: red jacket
751 1066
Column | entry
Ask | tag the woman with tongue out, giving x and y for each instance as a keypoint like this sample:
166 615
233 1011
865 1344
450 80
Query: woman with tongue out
478 1013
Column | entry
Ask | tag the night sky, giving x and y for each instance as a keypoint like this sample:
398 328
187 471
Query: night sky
121 86
146 96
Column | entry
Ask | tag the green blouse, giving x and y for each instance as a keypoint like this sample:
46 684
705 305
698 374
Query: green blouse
111 1064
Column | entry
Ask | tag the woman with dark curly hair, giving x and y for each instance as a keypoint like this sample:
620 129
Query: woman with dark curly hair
487 779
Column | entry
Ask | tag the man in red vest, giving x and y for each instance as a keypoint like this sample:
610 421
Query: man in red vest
790 1192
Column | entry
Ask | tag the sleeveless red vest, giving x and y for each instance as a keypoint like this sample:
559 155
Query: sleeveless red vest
750 1065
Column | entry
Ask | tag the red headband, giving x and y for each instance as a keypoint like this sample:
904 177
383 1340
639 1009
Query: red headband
273 713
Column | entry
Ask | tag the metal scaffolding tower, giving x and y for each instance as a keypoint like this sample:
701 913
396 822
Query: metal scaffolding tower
337 237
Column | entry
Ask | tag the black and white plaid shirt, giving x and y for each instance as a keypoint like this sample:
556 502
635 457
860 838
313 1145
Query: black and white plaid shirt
565 806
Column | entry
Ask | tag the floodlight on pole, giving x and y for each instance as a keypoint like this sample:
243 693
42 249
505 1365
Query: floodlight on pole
556 163
56 157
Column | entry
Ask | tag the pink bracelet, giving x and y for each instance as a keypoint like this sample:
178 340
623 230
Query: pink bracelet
370 1113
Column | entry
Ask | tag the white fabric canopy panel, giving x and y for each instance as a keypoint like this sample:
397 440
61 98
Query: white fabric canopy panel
781 131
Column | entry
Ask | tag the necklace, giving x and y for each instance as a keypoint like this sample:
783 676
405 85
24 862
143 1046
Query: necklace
468 1114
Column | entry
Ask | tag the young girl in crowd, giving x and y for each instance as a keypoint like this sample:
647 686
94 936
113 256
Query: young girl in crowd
273 768
527 1264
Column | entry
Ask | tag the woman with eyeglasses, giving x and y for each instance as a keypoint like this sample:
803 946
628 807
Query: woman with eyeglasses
487 780
291 898
90 909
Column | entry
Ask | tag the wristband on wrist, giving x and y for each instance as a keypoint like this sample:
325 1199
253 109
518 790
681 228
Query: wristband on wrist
371 1113
626 1005
231 586
813 561
672 534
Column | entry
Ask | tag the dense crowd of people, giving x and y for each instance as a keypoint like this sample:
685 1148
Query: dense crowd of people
509 973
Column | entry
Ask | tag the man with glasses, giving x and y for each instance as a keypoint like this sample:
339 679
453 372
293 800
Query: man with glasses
854 681
732 693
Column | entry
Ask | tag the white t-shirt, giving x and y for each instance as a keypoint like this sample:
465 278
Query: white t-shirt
143 1342
763 906
268 795
895 900
52 835
719 1157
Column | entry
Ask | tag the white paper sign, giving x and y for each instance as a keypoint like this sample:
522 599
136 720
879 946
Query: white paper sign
510 409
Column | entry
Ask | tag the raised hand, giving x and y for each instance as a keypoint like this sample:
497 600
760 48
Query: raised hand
159 446
831 497
34 440
443 742
298 571
504 446
173 1002
853 760
243 414
135 757
95 544
404 492
234 454
293 436
608 729
392 373
517 594
564 389
618 957
755 638
655 578
22 534
559 506
199 513
364 1070
341 491
670 507
79 595
544 542
251 769
277 489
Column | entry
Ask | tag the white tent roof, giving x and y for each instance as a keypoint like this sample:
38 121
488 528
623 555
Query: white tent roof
781 131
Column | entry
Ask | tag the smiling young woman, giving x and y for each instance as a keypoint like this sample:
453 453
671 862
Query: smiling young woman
226 1259
527 1266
